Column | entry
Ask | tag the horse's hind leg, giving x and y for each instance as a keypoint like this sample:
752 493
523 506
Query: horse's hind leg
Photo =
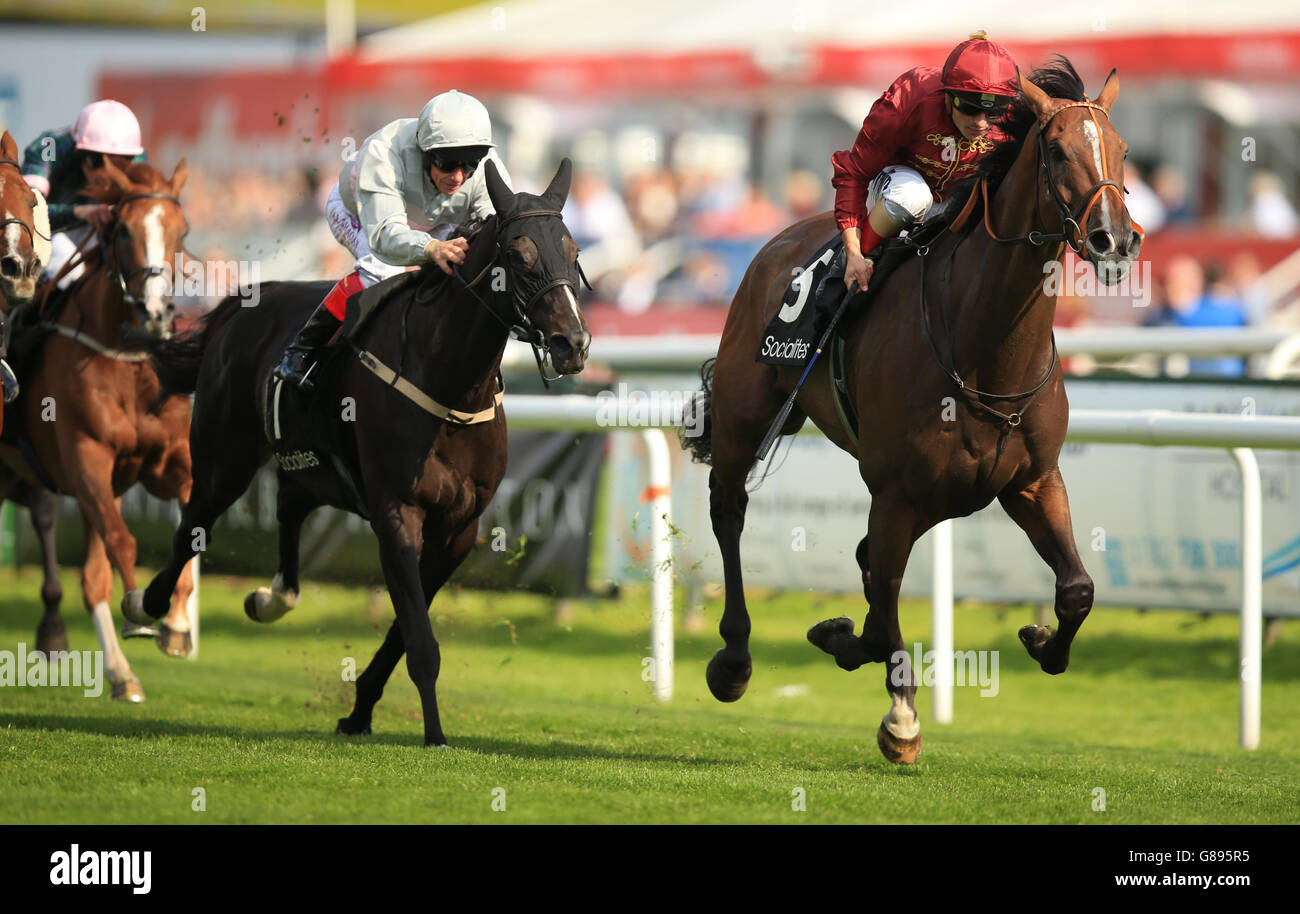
43 505
293 504
222 472
743 403
1042 510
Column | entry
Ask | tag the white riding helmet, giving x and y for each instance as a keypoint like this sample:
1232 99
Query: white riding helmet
453 119
108 126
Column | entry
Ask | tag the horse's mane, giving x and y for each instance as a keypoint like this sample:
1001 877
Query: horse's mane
144 176
1056 77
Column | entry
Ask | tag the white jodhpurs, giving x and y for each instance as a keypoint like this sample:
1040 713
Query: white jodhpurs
906 196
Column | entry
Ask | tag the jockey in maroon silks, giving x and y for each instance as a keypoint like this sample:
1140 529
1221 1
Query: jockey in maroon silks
928 131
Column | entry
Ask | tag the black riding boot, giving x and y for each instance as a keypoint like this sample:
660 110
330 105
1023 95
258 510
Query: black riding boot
300 358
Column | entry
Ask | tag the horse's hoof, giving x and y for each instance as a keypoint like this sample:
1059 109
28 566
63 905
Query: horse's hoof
257 599
728 681
131 630
133 608
174 643
898 751
835 637
128 690
347 728
52 637
1035 639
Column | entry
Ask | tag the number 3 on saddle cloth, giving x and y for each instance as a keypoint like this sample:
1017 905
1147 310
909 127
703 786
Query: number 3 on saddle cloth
810 301
309 432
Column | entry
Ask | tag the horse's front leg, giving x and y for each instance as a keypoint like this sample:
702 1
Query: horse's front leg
1043 511
399 528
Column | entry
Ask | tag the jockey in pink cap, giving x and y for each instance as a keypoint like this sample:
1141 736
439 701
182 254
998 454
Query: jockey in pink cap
58 163
928 131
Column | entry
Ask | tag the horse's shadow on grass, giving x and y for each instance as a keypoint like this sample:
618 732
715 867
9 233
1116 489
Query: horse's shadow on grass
480 745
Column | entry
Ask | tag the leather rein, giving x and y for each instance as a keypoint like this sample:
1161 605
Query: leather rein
523 329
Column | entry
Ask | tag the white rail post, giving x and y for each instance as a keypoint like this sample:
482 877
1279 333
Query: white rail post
192 610
659 495
941 622
1252 587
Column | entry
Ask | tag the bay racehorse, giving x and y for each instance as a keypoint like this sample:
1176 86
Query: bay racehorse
93 420
952 370
425 449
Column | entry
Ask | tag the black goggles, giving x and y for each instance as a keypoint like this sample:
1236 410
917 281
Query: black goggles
971 105
450 163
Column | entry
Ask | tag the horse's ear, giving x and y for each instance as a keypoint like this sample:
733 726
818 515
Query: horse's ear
503 199
558 191
116 176
179 177
1109 91
1039 101
9 146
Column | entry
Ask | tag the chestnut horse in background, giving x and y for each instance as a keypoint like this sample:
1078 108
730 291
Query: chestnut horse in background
22 241
93 413
981 289
24 251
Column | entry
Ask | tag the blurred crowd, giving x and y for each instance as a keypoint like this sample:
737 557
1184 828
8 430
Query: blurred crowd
681 237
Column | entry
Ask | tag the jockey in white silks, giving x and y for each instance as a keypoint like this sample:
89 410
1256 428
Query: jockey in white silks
411 183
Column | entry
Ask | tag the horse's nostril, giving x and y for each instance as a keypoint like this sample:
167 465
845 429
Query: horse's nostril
1101 242
11 267
560 346
1134 243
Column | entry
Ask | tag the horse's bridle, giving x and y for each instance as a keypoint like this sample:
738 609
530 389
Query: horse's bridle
1073 233
523 329
31 231
110 245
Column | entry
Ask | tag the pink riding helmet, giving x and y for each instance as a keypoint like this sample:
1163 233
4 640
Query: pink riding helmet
108 126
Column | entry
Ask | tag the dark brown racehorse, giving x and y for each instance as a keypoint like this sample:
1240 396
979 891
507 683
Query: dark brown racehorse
954 378
93 413
422 478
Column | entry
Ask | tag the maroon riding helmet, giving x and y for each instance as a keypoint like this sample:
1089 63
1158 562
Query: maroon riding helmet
981 72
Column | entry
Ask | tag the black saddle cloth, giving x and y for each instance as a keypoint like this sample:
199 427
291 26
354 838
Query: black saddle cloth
811 300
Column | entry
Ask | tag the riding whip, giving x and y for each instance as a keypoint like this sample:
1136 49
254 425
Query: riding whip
775 431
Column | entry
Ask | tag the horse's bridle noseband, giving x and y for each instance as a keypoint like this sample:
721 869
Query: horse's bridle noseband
150 270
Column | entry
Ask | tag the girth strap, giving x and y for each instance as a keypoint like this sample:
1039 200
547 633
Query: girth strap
122 355
423 400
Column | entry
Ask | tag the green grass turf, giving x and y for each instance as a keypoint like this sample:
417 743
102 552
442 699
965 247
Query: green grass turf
557 714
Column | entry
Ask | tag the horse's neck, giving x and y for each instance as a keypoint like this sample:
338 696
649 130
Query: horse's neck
459 342
1004 325
98 307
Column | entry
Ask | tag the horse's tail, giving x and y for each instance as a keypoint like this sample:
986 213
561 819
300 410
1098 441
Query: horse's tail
176 361
697 431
